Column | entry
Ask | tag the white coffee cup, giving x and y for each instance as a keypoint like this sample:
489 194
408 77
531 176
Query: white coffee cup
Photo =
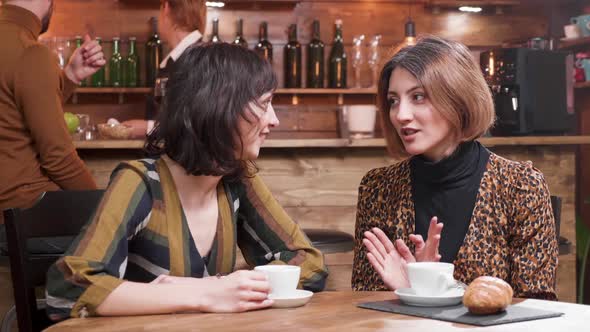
572 31
431 278
360 120
283 279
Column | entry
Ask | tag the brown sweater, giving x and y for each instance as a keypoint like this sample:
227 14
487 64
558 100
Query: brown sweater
36 151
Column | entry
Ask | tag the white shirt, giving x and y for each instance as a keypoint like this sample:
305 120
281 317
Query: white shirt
187 41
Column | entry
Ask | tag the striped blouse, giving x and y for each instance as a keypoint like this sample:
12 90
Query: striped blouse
139 231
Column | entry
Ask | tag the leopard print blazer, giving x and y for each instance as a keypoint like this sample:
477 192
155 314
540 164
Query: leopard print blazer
511 233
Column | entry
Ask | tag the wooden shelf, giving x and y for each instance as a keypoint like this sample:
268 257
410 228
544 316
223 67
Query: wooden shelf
582 85
353 143
574 44
351 91
109 144
113 90
535 140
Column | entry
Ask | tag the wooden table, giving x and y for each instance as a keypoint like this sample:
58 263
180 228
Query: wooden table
327 311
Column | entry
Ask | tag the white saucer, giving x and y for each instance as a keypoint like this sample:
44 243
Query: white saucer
296 299
409 297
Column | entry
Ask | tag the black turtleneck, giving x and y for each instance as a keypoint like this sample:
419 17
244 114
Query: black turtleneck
448 189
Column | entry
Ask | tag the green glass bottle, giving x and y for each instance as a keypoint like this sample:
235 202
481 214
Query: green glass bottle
338 62
315 58
79 41
264 47
153 55
293 60
131 77
116 65
98 79
215 35
240 40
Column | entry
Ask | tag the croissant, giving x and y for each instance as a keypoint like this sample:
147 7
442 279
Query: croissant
487 295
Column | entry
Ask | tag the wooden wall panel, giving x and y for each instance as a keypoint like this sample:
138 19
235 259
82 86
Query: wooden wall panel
318 188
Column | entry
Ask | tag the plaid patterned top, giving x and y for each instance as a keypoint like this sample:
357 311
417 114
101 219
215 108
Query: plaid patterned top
139 231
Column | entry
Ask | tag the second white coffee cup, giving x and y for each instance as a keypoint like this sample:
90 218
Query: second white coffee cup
431 278
283 279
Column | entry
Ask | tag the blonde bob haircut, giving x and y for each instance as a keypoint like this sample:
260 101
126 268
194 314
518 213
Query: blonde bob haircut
453 84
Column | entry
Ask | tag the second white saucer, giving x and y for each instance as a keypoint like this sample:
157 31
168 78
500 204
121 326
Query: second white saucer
296 299
409 297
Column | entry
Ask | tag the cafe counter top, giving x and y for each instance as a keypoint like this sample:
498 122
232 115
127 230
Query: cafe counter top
345 143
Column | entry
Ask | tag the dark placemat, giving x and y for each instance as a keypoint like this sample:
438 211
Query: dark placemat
459 313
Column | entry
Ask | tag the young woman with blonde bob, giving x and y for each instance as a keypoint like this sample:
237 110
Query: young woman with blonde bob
496 213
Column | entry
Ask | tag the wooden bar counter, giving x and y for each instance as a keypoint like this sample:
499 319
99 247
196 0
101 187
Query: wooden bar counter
316 180
327 311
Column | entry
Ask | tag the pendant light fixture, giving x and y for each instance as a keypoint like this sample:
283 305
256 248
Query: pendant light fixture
410 27
410 33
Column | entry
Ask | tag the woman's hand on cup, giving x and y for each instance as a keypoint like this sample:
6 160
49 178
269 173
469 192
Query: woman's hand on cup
427 251
237 292
386 259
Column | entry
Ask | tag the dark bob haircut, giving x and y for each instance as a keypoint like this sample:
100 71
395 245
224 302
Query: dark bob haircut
207 94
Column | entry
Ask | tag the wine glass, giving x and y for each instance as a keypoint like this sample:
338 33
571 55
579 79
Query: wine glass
61 47
374 59
357 58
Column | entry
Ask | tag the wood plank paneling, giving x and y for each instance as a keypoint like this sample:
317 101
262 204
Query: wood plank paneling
318 188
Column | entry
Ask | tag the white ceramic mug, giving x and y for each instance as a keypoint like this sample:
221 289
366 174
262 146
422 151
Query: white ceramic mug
572 31
360 120
431 278
283 279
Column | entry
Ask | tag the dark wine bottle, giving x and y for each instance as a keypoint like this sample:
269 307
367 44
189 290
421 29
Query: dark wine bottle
337 70
264 47
293 60
240 40
315 59
153 55
215 35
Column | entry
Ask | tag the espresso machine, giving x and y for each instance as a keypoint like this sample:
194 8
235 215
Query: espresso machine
532 90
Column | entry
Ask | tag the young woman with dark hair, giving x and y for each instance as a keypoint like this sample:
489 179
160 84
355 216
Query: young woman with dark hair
164 237
497 214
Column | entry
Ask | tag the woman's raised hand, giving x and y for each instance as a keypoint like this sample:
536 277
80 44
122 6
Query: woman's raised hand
428 251
386 259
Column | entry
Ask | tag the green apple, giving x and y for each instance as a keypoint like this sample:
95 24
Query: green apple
72 122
